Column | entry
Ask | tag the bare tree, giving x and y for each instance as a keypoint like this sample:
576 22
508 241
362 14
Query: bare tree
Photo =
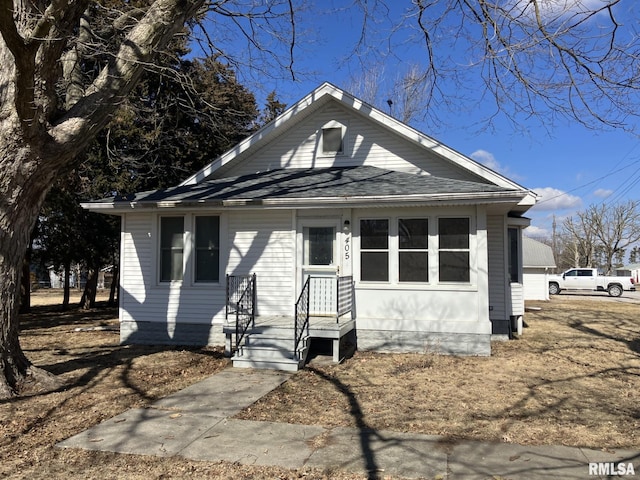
575 59
407 98
538 57
580 242
601 234
66 66
616 227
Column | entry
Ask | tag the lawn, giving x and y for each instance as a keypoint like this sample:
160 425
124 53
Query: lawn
572 379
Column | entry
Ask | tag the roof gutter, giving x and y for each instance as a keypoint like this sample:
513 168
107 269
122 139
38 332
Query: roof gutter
311 202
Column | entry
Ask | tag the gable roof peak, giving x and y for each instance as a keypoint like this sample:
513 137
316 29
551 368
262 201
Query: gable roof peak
327 91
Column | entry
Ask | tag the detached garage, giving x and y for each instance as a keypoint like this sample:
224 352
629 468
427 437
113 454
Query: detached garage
537 262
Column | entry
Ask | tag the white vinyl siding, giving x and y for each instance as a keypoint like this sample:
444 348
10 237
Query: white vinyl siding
262 242
143 298
365 143
536 283
497 267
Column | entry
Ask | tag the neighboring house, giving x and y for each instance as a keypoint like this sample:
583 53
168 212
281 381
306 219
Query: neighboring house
56 278
426 241
632 270
537 262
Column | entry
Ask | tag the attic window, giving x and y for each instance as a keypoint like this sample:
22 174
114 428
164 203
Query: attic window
332 140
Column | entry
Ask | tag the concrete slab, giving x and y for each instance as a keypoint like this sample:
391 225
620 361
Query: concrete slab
224 394
194 423
477 460
256 443
145 431
381 453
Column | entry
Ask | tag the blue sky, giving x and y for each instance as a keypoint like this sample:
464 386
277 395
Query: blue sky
570 166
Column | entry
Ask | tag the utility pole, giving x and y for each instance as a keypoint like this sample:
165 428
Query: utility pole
554 244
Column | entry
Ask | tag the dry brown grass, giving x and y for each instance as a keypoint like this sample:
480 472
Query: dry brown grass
102 379
573 379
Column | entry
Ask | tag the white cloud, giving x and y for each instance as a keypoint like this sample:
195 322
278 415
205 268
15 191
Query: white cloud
489 160
536 232
558 9
550 198
603 192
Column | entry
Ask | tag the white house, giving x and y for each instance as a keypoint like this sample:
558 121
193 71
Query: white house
409 244
537 262
632 270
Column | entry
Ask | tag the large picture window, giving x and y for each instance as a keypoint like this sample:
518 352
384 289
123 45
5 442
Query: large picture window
413 254
374 250
207 249
171 248
453 250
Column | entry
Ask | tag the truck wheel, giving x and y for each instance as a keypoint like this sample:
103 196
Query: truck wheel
554 289
614 290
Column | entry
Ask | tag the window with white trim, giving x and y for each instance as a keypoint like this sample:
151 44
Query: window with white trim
332 141
171 248
374 250
513 236
207 249
453 250
413 250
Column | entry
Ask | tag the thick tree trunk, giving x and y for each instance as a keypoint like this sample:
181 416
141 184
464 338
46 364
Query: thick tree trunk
115 281
25 287
38 139
88 299
66 285
21 195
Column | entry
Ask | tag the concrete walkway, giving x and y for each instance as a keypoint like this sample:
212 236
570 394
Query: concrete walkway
195 423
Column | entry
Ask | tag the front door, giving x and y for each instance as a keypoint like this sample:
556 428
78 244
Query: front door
319 261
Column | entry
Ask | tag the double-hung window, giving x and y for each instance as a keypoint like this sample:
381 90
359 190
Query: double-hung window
207 249
203 233
171 248
453 250
374 250
413 253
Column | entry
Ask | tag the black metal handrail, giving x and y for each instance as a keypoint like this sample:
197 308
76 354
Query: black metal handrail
236 286
245 308
345 296
301 317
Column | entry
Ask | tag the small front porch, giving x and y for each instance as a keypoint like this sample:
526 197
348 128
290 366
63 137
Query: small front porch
282 342
269 341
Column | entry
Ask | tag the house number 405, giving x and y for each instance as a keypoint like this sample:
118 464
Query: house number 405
347 247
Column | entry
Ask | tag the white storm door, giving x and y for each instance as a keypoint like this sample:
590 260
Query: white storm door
319 262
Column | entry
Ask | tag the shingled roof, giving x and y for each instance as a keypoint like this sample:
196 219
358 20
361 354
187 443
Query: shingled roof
317 184
536 254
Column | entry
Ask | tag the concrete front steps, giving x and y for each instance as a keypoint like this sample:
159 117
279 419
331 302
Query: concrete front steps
270 347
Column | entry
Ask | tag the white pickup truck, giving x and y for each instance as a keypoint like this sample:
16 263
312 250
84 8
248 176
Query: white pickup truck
588 279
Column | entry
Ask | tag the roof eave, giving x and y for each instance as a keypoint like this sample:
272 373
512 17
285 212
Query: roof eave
310 202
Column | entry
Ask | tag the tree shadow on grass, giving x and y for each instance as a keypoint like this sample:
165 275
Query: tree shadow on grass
366 433
99 363
632 344
49 316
